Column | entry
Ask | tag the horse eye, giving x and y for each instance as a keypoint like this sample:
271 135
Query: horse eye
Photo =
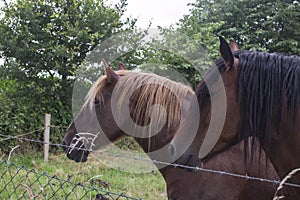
96 102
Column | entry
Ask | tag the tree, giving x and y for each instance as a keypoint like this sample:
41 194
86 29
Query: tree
44 42
269 25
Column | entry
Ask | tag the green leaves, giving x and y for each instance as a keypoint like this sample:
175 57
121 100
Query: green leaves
44 43
260 25
50 34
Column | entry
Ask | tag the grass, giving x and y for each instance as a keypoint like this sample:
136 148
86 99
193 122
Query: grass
16 182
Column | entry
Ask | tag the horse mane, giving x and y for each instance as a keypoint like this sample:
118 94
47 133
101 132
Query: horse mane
144 90
201 92
267 84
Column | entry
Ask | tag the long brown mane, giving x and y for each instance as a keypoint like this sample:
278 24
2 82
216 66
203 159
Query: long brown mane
149 90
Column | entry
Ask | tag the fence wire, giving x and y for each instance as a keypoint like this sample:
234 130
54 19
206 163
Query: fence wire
276 182
19 182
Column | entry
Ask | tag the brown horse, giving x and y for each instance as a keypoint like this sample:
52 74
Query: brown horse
182 184
101 117
262 100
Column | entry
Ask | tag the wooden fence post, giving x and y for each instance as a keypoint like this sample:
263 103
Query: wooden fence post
46 137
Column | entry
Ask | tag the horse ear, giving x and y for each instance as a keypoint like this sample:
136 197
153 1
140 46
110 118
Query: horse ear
121 66
233 46
112 77
226 53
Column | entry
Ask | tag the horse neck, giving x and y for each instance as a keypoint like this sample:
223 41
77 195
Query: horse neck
208 141
283 149
157 141
204 121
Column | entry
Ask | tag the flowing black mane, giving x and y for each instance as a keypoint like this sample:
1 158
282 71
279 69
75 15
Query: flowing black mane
267 83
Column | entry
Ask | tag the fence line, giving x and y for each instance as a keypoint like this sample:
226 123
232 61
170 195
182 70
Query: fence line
33 131
160 162
24 134
20 182
53 126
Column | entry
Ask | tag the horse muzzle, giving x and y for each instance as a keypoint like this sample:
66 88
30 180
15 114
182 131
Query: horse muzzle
77 153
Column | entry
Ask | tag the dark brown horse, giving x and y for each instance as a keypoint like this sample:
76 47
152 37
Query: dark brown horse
262 100
182 184
101 117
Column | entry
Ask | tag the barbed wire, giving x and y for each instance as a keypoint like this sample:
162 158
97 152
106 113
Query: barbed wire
24 134
160 162
35 131
53 126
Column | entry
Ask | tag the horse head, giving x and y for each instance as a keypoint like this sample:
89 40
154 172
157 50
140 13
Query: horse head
94 126
151 108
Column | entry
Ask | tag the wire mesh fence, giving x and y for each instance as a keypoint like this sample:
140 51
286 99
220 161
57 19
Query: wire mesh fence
19 182
196 168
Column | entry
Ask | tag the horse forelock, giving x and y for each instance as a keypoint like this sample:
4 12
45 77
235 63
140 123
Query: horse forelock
95 91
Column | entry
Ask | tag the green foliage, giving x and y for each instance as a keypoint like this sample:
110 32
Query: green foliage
54 36
167 52
257 25
7 87
43 43
260 25
269 25
195 26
